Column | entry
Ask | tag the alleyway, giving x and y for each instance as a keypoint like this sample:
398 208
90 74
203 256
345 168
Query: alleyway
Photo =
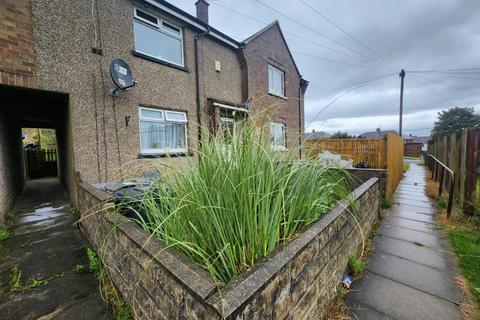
44 244
410 275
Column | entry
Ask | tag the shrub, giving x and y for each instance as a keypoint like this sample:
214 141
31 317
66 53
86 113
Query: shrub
239 202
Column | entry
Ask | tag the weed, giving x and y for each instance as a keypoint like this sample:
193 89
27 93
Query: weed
406 166
341 292
79 268
356 264
33 283
418 244
4 234
386 203
15 281
442 204
94 263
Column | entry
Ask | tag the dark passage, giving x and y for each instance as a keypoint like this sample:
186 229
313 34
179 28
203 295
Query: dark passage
44 244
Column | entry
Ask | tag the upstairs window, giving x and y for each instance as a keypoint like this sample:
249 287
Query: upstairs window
162 131
157 38
276 81
278 139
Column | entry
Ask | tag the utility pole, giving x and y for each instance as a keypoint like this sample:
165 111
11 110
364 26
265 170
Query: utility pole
402 77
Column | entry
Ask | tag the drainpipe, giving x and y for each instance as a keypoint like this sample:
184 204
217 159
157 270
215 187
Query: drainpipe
197 86
300 133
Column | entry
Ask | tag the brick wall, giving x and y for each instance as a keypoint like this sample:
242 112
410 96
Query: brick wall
412 149
17 58
269 48
294 282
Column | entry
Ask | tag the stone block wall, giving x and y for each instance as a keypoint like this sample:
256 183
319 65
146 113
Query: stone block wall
294 282
362 175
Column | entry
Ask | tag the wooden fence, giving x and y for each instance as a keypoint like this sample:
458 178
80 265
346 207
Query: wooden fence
460 152
41 163
376 153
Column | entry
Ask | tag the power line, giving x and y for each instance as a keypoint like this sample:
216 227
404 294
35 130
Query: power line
335 61
342 87
461 70
344 94
448 85
315 31
347 33
310 41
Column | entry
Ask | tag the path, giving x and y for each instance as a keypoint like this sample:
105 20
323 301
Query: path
44 244
409 275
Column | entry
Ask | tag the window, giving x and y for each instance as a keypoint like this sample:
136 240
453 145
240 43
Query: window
278 136
157 38
227 126
162 131
276 81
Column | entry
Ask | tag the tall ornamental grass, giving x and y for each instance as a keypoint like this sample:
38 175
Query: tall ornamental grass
238 202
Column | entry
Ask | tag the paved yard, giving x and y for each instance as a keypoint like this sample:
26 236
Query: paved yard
46 245
410 275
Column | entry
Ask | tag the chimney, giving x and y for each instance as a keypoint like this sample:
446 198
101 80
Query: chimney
313 130
378 129
202 10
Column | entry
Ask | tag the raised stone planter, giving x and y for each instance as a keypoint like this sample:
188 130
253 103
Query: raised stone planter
294 282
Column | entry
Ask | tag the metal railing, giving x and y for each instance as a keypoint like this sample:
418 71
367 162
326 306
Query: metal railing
438 170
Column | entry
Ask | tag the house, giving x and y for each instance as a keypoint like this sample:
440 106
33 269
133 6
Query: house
413 145
377 134
316 135
54 73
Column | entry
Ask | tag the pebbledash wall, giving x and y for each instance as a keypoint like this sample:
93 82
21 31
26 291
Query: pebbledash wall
295 282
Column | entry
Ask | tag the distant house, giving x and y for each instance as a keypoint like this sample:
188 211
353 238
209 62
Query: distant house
316 135
377 134
413 145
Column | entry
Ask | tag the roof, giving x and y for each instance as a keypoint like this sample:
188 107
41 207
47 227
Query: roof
378 134
422 140
316 135
193 21
265 29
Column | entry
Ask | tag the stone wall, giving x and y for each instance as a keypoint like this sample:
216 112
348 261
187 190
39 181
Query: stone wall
294 282
362 175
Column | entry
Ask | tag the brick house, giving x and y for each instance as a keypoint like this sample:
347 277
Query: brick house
54 60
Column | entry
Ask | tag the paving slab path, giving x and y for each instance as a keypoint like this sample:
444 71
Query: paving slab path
411 273
45 244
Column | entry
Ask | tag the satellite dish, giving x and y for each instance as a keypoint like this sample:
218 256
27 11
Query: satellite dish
121 75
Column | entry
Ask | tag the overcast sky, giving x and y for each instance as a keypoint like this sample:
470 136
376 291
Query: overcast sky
409 34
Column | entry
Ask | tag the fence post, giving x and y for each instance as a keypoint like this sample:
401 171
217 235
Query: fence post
440 189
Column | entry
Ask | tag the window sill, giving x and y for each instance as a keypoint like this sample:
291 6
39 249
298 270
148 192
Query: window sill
159 61
277 95
164 155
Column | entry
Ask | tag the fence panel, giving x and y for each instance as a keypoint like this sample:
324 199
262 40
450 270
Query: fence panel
394 162
371 151
460 152
377 154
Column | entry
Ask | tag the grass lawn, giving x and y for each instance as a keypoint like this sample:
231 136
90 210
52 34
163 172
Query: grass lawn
466 243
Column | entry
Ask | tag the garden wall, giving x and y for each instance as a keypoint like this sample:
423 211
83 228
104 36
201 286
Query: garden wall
294 282
362 175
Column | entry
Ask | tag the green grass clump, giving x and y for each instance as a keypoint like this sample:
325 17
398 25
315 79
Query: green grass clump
466 244
356 264
240 201
442 203
94 263
386 203
406 166
4 234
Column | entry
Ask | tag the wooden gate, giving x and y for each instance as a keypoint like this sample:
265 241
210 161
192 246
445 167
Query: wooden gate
42 163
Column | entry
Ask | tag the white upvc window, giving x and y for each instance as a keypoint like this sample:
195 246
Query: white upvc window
157 38
162 131
278 137
276 81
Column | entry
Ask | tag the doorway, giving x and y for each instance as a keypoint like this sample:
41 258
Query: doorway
40 150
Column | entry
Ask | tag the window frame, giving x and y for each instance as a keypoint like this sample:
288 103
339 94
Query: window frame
160 28
282 73
284 132
161 151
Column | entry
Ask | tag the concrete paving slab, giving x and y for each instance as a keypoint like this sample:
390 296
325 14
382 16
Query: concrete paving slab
410 251
425 217
421 238
411 202
361 312
416 209
439 283
410 224
399 301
